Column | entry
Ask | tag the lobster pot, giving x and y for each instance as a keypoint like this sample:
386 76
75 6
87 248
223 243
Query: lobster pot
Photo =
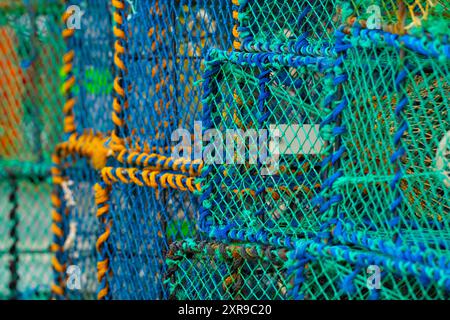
265 113
30 127
344 273
218 271
394 169
81 229
92 68
166 45
145 221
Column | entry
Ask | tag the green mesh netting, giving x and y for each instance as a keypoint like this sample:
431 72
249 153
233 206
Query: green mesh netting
350 98
319 271
380 79
209 270
30 126
30 65
250 93
25 253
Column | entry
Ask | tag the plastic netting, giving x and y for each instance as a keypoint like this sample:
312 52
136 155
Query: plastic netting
336 185
156 92
25 254
88 75
141 233
30 65
30 127
81 227
209 270
308 27
92 44
322 272
407 100
75 227
363 156
313 271
249 97
165 47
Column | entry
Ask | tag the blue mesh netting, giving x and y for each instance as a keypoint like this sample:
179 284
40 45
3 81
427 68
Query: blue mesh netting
254 92
93 66
165 51
362 177
141 233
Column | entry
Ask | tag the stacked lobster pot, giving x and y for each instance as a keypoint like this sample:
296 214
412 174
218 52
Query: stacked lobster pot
340 188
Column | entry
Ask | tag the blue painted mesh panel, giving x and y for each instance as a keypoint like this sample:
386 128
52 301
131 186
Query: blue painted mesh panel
145 222
367 182
166 47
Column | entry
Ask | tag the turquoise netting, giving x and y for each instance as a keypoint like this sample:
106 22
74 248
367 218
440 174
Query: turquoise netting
336 185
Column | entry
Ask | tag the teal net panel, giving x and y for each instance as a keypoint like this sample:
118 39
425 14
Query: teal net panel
308 27
25 244
30 127
425 186
81 227
286 26
370 124
30 61
312 271
248 97
322 272
393 173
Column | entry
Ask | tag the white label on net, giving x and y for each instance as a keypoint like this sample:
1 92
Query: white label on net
296 139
